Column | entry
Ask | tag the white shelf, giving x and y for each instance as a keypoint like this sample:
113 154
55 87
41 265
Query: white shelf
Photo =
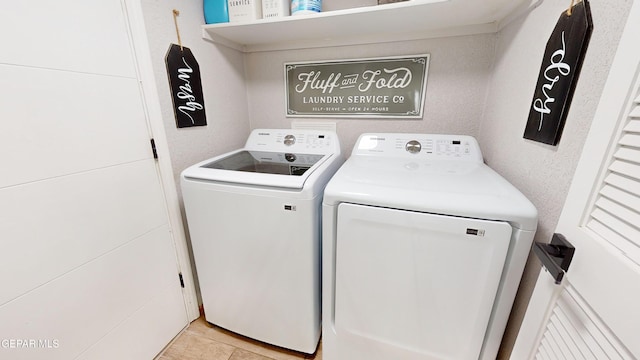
409 20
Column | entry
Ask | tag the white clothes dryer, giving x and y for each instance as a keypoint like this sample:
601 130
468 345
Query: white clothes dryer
254 217
423 250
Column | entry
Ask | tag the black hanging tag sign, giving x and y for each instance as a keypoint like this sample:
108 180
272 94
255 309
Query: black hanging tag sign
559 74
186 87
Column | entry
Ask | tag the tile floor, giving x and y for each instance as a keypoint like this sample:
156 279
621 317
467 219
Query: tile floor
203 341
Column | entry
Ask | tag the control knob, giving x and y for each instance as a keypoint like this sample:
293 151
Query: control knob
289 140
413 146
290 157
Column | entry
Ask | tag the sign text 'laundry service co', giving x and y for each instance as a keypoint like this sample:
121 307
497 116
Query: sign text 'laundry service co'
384 87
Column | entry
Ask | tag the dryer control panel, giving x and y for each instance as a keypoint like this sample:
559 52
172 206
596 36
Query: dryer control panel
419 146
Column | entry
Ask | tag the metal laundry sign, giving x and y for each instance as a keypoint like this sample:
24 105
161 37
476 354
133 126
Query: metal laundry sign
384 87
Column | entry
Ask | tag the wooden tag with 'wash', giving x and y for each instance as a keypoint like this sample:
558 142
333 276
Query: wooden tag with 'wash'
186 87
559 74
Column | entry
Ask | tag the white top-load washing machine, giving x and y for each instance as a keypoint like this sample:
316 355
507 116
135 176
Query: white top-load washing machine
423 250
254 217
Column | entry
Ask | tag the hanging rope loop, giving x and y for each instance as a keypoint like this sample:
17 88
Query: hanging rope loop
570 9
175 21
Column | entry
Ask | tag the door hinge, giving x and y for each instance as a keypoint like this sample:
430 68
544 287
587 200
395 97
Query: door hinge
181 280
153 148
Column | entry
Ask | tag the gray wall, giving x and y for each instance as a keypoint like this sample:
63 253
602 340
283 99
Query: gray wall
479 85
223 82
458 75
542 172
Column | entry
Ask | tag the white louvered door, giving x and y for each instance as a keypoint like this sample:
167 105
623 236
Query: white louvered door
595 312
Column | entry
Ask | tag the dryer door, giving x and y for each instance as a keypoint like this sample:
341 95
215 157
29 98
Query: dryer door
413 285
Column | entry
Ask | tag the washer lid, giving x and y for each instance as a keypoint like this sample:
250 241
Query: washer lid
266 162
262 168
283 158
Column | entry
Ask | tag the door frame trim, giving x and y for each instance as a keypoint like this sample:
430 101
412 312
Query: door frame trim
153 110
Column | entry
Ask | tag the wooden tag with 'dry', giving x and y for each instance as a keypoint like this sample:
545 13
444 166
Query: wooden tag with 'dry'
559 74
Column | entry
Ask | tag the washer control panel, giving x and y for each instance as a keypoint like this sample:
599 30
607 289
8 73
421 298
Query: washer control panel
293 140
419 146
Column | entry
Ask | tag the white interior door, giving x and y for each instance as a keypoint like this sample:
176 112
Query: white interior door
87 258
595 312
